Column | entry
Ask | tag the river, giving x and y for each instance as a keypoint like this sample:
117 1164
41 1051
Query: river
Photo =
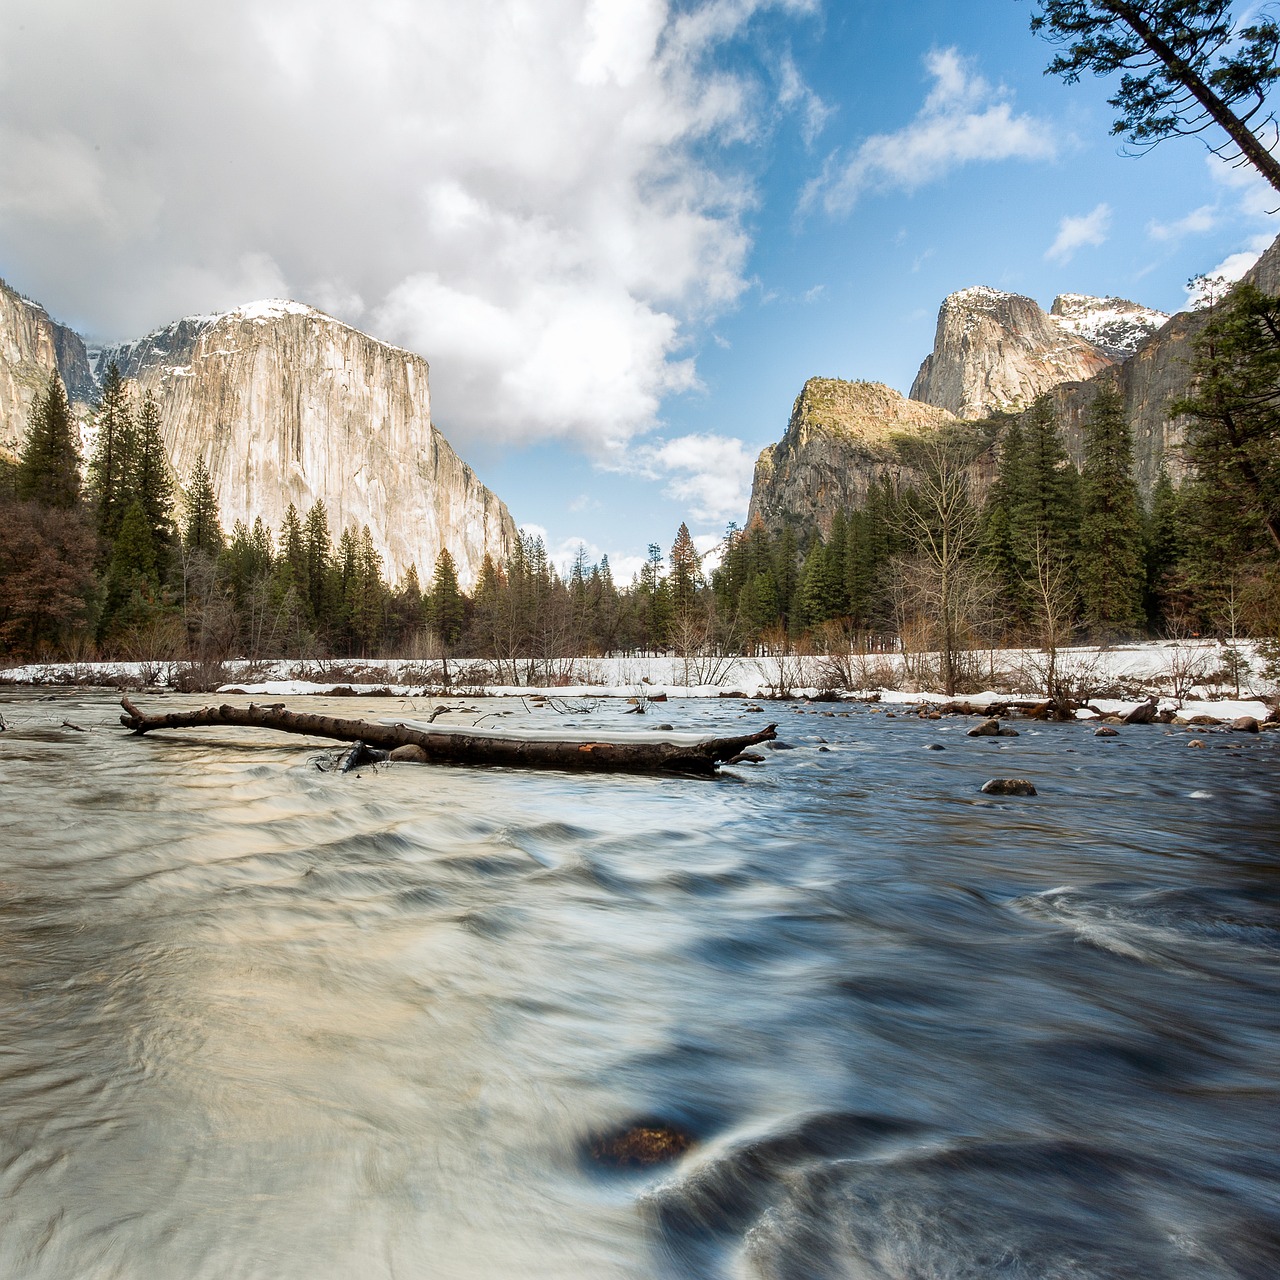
259 1019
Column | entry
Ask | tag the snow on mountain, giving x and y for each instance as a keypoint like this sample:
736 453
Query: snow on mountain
1114 325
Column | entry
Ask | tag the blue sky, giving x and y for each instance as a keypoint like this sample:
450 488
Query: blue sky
623 232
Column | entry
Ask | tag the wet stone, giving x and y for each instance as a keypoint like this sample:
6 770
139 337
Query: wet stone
640 1146
1009 787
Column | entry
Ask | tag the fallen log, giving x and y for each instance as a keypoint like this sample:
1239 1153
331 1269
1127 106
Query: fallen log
649 754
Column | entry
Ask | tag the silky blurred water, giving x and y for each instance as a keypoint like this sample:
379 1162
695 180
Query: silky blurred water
262 1020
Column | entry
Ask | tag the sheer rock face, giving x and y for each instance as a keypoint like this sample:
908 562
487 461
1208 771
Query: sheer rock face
31 347
1115 326
998 351
839 440
1156 375
286 404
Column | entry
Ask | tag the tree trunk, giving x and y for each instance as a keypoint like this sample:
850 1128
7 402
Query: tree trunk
445 747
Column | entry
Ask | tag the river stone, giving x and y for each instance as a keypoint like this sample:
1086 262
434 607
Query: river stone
1195 742
1143 714
1009 787
1245 724
1007 733
410 753
1105 732
987 729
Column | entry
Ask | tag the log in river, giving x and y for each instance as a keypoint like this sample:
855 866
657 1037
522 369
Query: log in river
638 753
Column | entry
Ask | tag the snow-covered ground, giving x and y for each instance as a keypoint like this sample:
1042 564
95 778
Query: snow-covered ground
1187 676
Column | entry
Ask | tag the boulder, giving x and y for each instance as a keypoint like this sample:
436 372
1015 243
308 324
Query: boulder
1143 714
1009 787
987 729
409 754
1195 742
1105 732
1245 724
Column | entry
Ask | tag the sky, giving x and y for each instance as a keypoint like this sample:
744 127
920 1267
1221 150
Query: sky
622 232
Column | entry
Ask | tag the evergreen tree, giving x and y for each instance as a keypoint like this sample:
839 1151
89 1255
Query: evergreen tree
447 607
201 532
152 484
322 589
49 463
686 572
133 587
112 464
1234 434
1110 561
1162 547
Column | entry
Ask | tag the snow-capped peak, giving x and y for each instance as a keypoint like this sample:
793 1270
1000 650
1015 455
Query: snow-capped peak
1114 325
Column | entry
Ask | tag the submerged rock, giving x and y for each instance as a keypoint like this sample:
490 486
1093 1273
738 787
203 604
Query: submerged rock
640 1145
1105 732
1009 787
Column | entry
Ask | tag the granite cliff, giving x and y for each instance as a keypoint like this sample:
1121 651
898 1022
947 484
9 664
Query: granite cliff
998 351
840 438
284 404
31 346
1157 374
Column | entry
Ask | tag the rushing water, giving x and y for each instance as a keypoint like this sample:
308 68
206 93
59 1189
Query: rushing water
262 1020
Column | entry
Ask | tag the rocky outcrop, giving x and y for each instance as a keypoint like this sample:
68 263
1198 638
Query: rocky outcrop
286 404
1116 326
31 346
998 351
839 440
1156 375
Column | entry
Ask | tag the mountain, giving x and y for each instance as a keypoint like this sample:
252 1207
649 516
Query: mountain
998 351
1115 326
31 346
840 438
286 404
1157 374
993 351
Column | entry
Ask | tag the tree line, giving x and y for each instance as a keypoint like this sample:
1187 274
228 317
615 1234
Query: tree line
119 566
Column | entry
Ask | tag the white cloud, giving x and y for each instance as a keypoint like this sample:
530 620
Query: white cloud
1076 231
712 474
1198 221
795 95
1253 195
1231 268
538 198
964 120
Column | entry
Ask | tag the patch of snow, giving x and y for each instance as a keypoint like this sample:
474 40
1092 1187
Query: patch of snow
1114 325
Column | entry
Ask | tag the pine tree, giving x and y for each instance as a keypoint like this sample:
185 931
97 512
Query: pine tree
1109 560
133 593
686 572
1234 435
49 463
322 592
447 608
112 464
152 484
201 532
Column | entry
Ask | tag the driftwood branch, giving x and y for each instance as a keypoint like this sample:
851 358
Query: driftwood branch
466 747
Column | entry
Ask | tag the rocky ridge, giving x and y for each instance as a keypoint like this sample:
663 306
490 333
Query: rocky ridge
31 346
996 351
1157 374
1115 326
840 438
286 404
